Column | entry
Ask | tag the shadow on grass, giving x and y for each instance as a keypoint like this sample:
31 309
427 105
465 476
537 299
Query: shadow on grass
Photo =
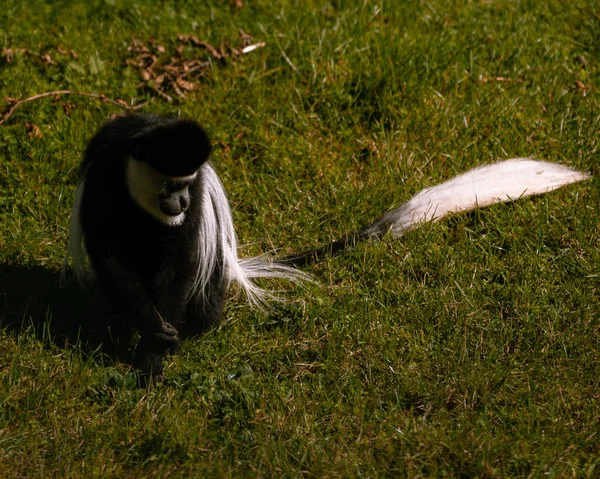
31 298
33 301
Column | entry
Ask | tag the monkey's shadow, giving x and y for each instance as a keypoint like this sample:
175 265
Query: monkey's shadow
32 298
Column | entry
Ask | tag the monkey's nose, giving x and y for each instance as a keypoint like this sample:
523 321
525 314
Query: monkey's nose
184 203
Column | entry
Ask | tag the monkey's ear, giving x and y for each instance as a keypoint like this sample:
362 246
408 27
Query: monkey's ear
173 147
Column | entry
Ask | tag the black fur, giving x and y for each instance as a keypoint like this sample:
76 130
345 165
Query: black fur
147 269
176 147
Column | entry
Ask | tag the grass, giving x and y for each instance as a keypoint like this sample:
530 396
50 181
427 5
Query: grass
469 348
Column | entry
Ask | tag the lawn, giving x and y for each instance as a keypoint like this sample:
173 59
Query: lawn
467 348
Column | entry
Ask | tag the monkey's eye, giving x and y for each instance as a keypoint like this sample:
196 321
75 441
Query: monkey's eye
173 186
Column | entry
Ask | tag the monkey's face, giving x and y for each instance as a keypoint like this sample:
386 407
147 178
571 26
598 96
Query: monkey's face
166 198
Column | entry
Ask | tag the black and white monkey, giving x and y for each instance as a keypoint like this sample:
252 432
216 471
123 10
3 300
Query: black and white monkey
152 220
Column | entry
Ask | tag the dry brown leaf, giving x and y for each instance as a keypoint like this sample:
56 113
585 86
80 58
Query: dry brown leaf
186 85
67 107
10 53
177 89
146 75
583 88
33 131
212 50
223 47
47 59
246 37
192 39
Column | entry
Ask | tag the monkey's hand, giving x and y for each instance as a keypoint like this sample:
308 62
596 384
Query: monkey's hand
151 351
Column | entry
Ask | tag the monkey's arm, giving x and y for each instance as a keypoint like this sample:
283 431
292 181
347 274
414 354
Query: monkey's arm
126 291
177 284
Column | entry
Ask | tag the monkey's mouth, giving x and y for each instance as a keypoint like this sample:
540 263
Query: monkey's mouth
172 220
171 215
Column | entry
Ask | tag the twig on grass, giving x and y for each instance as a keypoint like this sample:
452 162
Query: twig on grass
14 104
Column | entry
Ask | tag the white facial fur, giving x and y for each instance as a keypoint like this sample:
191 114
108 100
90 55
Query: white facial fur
144 183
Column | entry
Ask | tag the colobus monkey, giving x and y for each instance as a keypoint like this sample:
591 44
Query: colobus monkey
153 219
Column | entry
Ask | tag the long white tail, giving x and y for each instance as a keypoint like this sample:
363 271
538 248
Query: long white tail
508 180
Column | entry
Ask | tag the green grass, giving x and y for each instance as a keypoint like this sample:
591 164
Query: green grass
469 348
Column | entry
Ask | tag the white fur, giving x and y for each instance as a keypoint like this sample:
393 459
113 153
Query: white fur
508 180
217 231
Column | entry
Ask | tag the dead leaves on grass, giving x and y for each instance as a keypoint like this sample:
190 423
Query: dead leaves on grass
8 55
162 73
175 74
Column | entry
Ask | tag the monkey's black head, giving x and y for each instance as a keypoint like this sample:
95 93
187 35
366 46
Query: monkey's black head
174 147
165 158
